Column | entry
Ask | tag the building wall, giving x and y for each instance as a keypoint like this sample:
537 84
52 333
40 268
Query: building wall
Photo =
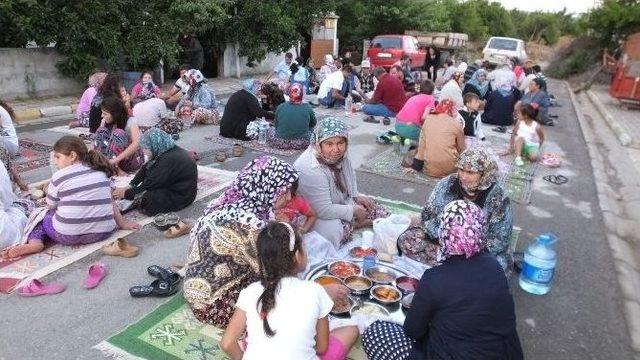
32 72
234 66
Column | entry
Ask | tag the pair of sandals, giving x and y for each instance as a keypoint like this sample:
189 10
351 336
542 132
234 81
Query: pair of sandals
166 284
556 179
172 225
373 120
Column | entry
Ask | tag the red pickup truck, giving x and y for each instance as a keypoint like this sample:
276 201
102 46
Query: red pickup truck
386 50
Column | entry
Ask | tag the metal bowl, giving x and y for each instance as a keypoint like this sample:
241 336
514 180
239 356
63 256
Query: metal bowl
360 252
333 269
407 284
343 311
352 281
406 301
328 280
380 275
378 289
361 308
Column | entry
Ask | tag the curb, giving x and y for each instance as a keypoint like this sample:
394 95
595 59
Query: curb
627 274
624 138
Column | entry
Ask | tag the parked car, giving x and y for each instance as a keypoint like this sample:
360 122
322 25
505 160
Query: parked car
503 46
386 50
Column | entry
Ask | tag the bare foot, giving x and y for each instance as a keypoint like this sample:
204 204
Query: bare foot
21 250
129 225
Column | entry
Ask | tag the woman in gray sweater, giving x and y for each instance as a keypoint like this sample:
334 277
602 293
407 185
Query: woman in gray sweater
328 182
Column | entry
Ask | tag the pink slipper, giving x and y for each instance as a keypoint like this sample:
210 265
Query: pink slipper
97 272
36 288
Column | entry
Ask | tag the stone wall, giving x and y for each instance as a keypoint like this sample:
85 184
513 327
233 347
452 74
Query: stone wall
233 65
32 72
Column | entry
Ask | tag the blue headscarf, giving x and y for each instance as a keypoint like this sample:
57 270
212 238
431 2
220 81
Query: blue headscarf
252 86
156 141
482 88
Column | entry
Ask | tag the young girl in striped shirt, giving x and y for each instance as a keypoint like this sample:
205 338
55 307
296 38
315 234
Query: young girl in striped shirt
81 210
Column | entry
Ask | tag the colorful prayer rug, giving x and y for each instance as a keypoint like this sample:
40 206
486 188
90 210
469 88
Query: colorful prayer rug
388 164
253 144
15 271
32 155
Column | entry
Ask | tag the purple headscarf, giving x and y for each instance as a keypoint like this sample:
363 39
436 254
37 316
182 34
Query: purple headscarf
461 230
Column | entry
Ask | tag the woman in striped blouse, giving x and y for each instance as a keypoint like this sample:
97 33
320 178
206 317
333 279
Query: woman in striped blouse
81 210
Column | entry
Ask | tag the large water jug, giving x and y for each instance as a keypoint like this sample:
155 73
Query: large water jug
348 103
539 265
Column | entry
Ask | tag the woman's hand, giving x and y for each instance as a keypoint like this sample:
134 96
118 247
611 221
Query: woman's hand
359 213
409 170
118 193
365 201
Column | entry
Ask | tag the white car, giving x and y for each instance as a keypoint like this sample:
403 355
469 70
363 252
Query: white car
498 47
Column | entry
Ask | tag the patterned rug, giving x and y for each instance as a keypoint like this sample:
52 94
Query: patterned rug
33 155
253 144
388 164
15 271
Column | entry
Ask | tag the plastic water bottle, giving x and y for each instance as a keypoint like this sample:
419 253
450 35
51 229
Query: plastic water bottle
348 102
539 265
262 135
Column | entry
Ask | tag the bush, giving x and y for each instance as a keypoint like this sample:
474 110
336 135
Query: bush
576 58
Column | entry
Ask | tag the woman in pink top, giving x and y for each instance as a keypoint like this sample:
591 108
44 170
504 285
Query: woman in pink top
145 89
82 112
409 119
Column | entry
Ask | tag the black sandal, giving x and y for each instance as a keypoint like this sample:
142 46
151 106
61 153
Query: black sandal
371 119
163 274
500 129
386 121
556 179
158 288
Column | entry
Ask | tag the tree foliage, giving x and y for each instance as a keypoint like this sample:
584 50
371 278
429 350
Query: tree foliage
612 21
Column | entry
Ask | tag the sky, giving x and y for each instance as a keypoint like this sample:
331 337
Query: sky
573 6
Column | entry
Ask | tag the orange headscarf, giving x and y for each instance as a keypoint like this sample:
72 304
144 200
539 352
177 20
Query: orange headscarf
446 107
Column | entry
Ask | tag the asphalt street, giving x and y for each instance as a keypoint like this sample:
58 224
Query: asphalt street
581 318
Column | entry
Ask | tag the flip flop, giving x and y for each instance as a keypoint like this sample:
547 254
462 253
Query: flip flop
500 129
158 288
163 274
556 179
97 272
386 121
36 287
177 230
120 247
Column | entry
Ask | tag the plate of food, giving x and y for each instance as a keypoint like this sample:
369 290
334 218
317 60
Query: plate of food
407 284
381 275
358 285
328 280
344 269
360 252
342 306
386 294
368 309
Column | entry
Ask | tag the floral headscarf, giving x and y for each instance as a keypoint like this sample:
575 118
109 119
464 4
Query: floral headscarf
342 171
482 87
252 86
249 199
96 79
446 107
296 92
461 230
477 159
157 141
330 127
195 77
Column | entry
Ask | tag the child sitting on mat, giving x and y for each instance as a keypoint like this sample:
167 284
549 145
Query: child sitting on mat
81 210
295 210
527 136
283 316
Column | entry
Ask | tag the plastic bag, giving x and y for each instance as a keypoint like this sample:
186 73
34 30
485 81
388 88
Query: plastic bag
387 230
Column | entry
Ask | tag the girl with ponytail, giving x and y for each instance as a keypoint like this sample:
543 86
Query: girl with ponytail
284 317
80 207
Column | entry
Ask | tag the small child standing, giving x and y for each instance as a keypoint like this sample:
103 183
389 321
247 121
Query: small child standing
527 136
295 210
284 317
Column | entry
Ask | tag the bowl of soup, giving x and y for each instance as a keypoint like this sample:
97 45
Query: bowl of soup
380 275
344 269
386 294
358 285
407 284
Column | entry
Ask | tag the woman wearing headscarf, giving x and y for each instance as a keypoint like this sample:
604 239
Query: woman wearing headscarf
499 106
200 100
441 141
328 183
463 309
474 181
222 256
145 89
168 181
242 108
84 106
326 69
294 122
313 79
478 84
452 90
14 212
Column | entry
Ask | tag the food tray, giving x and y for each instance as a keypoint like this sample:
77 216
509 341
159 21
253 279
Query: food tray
395 311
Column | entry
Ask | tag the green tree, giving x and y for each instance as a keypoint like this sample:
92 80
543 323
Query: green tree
612 21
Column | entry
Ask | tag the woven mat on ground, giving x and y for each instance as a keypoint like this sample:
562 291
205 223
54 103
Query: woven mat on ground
15 271
75 131
388 164
32 155
253 144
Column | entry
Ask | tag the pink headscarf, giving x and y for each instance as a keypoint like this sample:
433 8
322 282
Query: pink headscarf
461 230
446 107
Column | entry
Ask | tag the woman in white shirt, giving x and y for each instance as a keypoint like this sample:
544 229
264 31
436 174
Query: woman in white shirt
284 317
452 90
